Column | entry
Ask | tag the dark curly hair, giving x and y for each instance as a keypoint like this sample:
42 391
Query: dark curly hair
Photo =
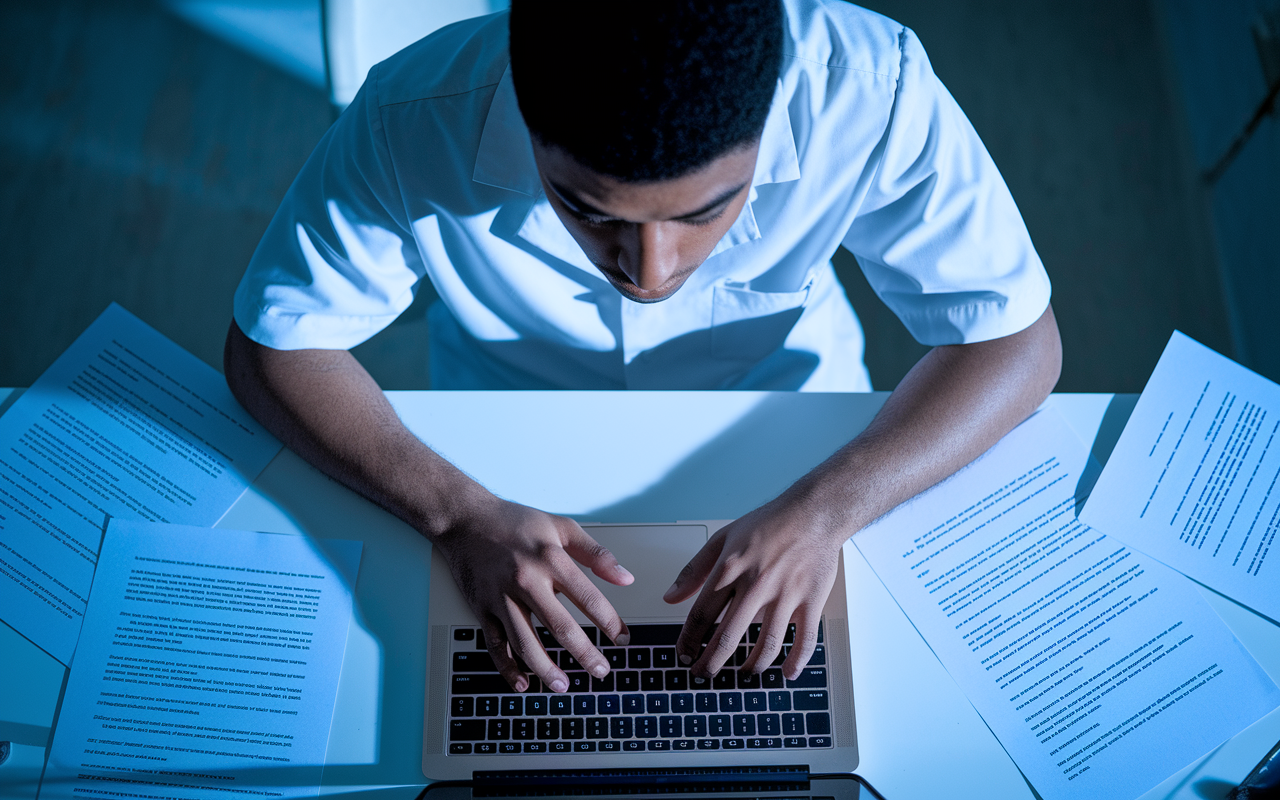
645 91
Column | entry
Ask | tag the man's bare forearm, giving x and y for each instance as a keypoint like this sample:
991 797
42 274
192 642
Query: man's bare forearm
949 409
324 405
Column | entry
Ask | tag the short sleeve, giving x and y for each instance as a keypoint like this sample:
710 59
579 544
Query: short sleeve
338 262
938 234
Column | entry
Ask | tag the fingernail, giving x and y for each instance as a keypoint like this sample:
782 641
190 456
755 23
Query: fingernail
560 686
521 684
623 639
626 573
686 660
669 591
600 670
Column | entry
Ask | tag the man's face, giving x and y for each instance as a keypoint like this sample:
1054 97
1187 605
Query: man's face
647 238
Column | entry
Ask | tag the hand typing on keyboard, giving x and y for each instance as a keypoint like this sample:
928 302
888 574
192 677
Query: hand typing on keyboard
777 563
509 562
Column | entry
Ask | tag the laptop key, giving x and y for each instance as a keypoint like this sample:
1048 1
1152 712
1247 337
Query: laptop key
561 705
772 679
463 730
646 727
473 662
748 680
535 705
719 725
769 725
664 658
633 746
753 701
459 748
706 702
819 656
654 634
604 684
462 707
584 705
628 681
522 728
464 635
472 683
811 700
676 680
651 681
638 658
817 722
657 703
560 747
731 701
633 704
620 727
610 746
568 662
486 706
699 682
819 741
499 729
549 728
732 744
512 706
572 728
616 656
609 704
744 725
779 701
708 744
598 728
659 744
581 681
695 725
486 748
764 742
793 724
809 678
682 703
669 727
508 747
794 741
723 679
680 744
535 747
584 747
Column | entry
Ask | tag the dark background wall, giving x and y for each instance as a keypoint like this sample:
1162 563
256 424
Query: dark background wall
142 157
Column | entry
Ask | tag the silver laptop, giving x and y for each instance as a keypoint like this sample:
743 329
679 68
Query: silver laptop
649 711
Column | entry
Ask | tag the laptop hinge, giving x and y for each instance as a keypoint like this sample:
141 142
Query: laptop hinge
509 783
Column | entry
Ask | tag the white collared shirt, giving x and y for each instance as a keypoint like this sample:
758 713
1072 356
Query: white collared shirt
430 173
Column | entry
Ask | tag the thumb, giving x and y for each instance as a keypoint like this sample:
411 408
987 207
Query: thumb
590 553
693 575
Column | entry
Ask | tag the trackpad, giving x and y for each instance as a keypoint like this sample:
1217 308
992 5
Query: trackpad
655 554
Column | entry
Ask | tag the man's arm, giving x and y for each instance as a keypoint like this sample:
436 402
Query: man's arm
508 559
779 561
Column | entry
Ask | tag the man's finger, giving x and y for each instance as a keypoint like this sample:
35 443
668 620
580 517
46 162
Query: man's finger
602 562
727 637
701 619
773 634
585 595
808 618
495 640
566 630
696 571
527 646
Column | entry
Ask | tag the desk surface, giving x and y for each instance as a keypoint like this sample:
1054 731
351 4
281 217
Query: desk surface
701 456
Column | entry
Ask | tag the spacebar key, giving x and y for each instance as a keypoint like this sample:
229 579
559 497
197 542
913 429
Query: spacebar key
480 684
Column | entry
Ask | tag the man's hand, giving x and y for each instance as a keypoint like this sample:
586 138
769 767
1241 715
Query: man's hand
777 563
510 560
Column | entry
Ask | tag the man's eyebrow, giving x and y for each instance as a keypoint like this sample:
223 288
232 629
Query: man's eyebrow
582 207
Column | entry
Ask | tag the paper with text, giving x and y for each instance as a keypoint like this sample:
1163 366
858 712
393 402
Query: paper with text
207 668
1100 671
1193 480
124 424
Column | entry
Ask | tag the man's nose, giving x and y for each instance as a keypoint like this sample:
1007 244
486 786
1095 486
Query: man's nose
650 256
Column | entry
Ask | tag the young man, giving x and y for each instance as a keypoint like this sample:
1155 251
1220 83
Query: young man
647 196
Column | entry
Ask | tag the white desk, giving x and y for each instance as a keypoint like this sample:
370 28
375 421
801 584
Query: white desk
700 456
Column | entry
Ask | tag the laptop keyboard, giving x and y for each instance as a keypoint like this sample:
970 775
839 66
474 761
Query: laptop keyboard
648 702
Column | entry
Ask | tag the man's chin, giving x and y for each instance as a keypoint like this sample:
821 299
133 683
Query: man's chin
637 295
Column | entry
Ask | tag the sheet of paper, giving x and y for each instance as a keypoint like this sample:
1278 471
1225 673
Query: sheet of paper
124 424
207 668
1100 671
1195 479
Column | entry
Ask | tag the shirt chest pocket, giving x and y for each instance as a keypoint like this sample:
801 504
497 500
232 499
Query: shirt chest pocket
748 325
